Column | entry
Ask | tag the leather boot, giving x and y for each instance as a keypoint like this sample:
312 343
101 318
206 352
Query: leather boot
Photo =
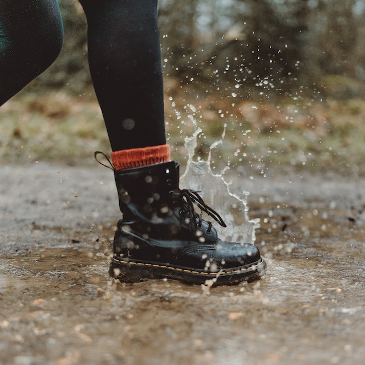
161 235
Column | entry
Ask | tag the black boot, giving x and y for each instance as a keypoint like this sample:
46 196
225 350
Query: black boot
161 236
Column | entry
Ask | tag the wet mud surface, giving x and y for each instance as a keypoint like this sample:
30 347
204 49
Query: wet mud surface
58 305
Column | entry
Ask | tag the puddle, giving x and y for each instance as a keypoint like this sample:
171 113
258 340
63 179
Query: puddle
58 305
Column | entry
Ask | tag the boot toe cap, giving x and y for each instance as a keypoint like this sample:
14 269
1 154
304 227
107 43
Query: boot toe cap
222 255
237 254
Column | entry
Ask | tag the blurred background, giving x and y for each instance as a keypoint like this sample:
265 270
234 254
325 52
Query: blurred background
282 80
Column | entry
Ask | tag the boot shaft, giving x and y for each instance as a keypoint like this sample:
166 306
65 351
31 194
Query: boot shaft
148 187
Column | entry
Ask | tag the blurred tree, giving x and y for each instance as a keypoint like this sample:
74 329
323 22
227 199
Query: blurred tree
249 46
336 47
336 29
251 43
272 51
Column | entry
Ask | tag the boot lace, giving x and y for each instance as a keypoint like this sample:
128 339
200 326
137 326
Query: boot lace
188 198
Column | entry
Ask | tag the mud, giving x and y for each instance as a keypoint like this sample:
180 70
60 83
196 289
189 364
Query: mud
58 305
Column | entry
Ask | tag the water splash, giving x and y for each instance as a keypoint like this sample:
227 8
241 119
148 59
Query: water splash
216 193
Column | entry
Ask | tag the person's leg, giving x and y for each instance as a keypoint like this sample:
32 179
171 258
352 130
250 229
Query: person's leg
160 234
31 35
125 65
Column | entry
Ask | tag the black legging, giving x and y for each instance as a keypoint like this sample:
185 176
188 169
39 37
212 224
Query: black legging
124 58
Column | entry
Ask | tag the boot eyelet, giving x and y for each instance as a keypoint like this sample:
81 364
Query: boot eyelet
169 182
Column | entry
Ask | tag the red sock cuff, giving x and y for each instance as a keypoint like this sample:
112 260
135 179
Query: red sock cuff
136 157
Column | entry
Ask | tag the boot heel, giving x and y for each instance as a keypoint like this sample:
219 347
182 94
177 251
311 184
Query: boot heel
130 274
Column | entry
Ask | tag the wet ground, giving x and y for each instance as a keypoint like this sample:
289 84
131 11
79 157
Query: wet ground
58 306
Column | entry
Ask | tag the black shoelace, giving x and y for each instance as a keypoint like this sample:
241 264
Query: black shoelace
189 198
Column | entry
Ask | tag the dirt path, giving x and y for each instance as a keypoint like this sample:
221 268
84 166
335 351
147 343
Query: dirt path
58 306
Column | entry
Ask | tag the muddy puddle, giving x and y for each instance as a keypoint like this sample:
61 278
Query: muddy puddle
58 305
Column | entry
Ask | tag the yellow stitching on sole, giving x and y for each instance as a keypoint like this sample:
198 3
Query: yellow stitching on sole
187 270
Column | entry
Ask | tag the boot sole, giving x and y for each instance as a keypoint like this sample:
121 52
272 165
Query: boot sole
132 271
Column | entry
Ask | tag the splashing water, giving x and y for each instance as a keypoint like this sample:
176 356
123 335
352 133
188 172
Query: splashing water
216 193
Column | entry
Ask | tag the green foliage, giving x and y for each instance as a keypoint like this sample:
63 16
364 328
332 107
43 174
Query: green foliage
342 87
259 138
